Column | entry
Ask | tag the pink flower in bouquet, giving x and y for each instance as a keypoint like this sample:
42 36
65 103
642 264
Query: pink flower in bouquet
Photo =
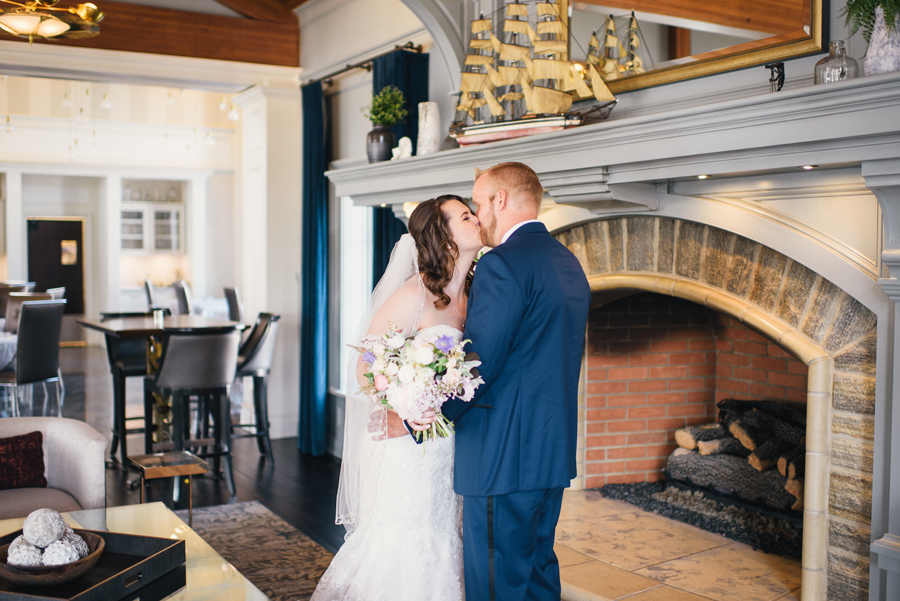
381 382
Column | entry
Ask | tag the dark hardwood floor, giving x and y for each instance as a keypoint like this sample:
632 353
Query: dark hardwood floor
299 488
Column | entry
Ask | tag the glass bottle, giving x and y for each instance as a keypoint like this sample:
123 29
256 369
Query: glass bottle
837 66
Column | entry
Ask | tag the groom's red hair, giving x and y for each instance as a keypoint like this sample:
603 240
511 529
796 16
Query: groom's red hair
518 179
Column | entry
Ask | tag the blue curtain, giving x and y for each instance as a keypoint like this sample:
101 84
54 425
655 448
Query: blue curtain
409 72
314 277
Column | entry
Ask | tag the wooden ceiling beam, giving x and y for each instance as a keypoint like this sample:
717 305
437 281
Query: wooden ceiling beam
292 4
768 16
264 10
138 28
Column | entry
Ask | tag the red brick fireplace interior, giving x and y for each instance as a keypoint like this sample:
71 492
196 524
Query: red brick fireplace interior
659 363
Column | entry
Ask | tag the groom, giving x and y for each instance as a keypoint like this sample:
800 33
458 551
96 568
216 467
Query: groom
515 441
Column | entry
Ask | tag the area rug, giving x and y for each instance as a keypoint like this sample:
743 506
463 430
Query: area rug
276 557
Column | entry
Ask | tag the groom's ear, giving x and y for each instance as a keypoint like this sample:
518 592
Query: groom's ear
502 199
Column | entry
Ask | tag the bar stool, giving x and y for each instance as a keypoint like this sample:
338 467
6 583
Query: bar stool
255 360
201 365
127 358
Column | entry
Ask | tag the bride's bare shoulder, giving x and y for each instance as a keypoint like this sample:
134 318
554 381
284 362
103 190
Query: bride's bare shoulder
400 308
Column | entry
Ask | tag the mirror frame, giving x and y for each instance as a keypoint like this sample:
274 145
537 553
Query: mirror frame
812 43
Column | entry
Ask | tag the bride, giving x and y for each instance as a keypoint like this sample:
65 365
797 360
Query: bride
396 498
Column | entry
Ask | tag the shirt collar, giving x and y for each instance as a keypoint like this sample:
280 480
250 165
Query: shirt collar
511 230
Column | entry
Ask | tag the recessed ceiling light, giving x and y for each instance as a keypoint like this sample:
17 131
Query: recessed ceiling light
809 167
702 176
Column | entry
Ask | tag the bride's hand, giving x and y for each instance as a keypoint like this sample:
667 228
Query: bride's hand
424 423
394 427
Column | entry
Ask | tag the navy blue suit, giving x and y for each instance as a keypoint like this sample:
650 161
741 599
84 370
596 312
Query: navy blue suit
516 439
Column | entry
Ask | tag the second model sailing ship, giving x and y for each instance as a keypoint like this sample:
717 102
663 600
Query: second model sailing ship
526 83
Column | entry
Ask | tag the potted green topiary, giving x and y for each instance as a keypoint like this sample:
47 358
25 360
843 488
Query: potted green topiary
385 110
879 21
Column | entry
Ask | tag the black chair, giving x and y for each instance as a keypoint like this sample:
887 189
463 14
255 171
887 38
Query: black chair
255 360
235 307
127 358
200 365
37 354
183 295
151 294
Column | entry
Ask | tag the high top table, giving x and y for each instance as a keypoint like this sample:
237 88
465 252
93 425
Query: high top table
119 329
208 574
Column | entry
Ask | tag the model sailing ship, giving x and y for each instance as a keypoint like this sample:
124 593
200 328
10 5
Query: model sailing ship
526 83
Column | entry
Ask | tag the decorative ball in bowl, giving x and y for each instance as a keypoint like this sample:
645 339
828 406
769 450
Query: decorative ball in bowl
48 575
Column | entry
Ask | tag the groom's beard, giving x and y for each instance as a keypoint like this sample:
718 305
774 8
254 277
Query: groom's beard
488 227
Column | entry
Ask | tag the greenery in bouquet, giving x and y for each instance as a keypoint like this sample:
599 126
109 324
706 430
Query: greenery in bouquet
386 107
860 14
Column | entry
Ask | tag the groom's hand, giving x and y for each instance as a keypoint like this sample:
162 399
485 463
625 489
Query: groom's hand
424 423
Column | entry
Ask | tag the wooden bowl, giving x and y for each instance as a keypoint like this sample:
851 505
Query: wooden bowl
50 575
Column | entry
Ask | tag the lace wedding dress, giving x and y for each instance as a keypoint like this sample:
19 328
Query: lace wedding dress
407 545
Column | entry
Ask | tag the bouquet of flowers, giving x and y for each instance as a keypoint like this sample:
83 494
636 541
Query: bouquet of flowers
413 374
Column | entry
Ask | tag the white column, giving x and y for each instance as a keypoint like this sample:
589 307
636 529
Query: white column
268 234
16 245
196 206
883 178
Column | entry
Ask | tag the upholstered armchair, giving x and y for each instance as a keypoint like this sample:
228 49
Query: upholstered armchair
73 459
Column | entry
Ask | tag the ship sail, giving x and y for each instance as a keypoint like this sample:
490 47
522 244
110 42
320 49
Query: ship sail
634 65
526 77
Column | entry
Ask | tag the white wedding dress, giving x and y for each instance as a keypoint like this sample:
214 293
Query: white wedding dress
407 545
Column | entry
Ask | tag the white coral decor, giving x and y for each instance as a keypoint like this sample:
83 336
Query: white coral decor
80 545
43 527
23 553
60 553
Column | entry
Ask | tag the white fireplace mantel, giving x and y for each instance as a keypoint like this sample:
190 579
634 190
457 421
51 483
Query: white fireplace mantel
845 123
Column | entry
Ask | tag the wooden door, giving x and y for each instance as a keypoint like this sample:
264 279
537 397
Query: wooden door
56 258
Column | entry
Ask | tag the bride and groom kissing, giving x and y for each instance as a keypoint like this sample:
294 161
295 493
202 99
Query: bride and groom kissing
470 516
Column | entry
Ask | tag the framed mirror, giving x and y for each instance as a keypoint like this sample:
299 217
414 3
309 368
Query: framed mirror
684 39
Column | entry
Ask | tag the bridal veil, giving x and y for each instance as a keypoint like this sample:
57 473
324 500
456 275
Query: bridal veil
360 452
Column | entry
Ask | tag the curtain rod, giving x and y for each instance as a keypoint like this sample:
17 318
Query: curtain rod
366 64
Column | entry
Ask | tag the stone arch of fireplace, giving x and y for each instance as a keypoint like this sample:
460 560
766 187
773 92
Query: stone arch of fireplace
805 314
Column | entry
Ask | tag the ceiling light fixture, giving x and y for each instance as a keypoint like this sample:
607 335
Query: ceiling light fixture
41 19
809 167
702 176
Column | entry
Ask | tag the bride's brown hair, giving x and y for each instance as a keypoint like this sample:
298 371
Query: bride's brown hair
436 249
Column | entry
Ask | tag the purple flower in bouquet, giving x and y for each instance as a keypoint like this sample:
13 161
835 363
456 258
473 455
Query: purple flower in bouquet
444 344
369 357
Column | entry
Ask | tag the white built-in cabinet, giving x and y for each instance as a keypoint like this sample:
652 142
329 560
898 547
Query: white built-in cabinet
152 216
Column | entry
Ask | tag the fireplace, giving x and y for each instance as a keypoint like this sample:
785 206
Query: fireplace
785 303
626 197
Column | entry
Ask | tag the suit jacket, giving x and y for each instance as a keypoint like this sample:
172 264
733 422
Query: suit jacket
526 319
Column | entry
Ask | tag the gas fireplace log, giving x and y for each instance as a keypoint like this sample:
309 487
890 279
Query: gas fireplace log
793 463
732 475
767 454
795 488
687 438
787 411
750 435
755 427
728 446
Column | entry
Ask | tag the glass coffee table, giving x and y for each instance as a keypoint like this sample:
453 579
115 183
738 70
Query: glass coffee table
208 574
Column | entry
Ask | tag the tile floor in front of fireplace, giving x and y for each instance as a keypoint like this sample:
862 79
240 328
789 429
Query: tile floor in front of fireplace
610 550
